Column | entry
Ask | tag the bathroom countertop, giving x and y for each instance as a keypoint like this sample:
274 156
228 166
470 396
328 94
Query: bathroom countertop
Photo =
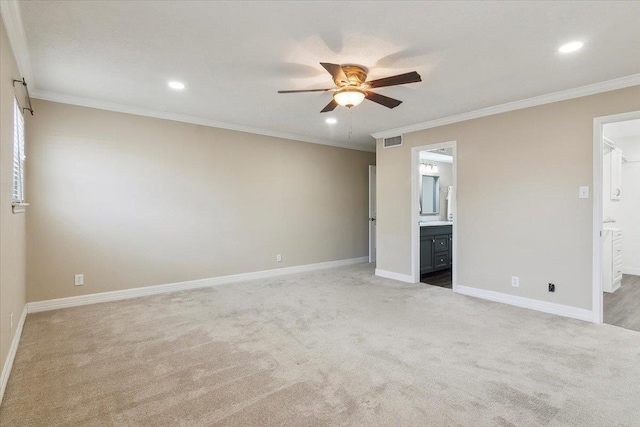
435 223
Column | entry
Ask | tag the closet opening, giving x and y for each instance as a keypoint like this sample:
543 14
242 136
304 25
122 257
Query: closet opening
616 231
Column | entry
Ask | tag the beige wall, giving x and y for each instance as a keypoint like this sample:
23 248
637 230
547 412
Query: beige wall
12 226
518 208
133 201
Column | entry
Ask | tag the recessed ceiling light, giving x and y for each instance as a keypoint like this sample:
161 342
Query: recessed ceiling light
176 85
331 121
570 47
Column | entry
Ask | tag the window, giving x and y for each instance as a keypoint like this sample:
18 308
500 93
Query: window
17 194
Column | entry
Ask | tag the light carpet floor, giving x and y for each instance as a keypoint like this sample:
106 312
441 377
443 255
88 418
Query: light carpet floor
332 347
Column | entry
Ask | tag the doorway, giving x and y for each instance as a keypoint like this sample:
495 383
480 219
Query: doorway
433 214
616 232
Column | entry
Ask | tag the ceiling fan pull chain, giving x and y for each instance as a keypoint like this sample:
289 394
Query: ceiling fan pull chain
350 127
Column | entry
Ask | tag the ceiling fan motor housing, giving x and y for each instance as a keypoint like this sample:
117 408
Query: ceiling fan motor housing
356 76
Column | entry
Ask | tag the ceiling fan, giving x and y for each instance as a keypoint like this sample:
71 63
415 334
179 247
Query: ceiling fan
352 87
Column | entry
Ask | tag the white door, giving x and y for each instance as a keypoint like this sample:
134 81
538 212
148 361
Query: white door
372 214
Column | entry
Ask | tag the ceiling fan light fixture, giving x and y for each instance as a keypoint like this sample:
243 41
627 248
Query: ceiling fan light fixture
349 97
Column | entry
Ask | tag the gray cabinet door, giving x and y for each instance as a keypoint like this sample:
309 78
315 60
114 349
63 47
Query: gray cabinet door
426 254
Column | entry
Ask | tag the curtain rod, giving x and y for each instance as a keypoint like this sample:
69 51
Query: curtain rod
26 89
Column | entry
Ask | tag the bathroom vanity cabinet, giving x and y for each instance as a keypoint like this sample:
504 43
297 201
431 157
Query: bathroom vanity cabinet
612 259
436 248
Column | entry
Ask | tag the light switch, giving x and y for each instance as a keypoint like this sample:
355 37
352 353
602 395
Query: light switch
583 192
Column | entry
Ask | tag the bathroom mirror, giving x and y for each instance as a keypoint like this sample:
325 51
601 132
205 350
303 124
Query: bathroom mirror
429 195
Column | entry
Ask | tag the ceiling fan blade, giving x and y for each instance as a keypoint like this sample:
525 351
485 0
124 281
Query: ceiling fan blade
330 107
336 71
382 100
400 79
307 90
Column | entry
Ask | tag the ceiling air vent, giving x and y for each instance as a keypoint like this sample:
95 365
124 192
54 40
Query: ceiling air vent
394 141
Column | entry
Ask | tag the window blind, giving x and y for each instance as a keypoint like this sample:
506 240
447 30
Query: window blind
17 194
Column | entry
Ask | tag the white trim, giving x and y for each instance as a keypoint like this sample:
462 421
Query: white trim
8 363
12 19
631 271
394 276
55 304
564 95
415 209
149 112
370 224
597 237
532 304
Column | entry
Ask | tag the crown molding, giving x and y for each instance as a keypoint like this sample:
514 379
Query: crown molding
564 95
12 18
148 112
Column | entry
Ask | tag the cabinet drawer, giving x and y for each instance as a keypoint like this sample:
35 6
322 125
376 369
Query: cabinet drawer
441 259
441 243
617 270
617 235
617 248
617 273
617 259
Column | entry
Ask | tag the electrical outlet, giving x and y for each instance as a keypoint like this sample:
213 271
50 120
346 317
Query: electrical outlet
552 287
11 321
279 258
79 279
515 281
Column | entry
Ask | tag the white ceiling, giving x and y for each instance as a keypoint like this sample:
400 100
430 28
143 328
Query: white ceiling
234 56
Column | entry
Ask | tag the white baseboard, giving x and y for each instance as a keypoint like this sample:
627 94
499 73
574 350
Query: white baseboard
630 270
8 363
532 304
395 276
55 304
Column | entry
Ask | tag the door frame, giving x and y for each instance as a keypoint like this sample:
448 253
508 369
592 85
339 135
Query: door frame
415 207
597 298
372 242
